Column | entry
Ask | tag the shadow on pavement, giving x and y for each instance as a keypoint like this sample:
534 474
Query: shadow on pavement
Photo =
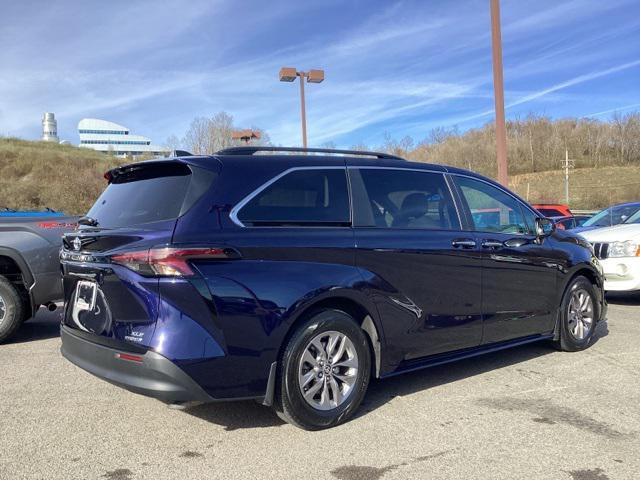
382 391
236 415
44 325
248 414
632 299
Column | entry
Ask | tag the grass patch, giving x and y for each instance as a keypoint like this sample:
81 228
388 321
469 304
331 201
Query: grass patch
36 175
589 188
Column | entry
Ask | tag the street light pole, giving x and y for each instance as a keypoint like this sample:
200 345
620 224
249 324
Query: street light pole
498 87
289 74
303 113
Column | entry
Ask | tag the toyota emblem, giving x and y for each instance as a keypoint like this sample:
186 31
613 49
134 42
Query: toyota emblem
77 244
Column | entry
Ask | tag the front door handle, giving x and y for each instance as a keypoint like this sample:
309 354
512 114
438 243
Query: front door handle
516 242
492 244
464 243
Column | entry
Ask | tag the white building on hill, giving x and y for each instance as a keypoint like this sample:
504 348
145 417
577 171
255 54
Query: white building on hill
110 137
49 127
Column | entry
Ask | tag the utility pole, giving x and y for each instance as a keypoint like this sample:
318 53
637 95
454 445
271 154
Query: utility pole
498 88
566 165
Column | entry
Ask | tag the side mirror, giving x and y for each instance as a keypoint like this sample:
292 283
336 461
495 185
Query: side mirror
544 227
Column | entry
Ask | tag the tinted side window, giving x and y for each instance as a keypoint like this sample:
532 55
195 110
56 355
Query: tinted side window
408 199
302 197
492 210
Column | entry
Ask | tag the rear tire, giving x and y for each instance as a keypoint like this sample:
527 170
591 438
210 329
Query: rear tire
579 313
12 309
324 372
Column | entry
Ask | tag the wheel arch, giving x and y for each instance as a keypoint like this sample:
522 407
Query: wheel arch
364 315
12 259
581 271
16 270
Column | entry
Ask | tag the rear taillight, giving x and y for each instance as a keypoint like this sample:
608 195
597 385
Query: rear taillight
170 261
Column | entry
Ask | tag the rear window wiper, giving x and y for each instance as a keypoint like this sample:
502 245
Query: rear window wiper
92 222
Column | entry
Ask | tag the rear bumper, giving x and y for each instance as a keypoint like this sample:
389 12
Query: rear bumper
155 376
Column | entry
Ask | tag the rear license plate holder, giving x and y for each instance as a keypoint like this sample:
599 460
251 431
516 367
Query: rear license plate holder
86 293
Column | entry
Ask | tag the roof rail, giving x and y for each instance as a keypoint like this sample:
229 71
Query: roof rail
251 150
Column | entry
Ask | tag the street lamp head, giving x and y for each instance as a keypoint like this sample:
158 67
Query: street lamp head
288 74
315 76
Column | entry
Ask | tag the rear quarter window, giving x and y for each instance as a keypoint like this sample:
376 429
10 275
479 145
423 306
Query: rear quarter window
310 197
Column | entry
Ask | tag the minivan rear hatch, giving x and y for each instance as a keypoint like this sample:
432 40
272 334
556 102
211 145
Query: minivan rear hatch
137 211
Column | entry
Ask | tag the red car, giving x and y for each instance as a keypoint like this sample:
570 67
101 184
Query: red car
553 209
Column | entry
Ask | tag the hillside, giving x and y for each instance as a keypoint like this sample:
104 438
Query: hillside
589 188
35 175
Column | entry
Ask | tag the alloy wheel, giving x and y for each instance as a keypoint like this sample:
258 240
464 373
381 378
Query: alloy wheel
328 370
3 309
580 314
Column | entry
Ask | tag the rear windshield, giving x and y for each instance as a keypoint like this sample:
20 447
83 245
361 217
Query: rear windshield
150 194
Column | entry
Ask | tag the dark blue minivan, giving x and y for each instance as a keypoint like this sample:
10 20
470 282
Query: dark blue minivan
293 276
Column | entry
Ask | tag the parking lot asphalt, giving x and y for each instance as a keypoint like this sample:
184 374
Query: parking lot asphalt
530 412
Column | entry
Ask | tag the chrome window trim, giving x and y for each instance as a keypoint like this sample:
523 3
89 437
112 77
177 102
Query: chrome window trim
423 170
233 215
502 189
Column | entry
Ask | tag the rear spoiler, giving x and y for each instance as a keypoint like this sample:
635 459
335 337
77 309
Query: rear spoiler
144 170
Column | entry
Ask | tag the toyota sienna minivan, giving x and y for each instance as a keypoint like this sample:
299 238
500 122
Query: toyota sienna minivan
296 276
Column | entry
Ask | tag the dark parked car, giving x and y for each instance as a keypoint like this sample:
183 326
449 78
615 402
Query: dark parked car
614 215
29 265
294 279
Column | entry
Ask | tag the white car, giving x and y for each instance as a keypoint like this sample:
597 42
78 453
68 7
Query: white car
618 249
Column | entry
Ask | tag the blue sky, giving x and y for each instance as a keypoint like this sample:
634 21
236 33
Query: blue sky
400 68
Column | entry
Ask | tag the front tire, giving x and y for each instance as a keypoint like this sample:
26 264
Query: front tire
12 309
579 313
324 371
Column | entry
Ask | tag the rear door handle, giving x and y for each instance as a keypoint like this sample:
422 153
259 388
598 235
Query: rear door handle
464 243
492 244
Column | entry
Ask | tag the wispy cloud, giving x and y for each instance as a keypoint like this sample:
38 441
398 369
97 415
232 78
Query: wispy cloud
615 110
400 66
574 81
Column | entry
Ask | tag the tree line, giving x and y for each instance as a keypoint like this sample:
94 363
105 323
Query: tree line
535 143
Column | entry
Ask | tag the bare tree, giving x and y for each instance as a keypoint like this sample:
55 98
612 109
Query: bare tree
329 145
173 143
209 135
219 132
196 140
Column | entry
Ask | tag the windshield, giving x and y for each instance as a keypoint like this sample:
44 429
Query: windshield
612 216
635 218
